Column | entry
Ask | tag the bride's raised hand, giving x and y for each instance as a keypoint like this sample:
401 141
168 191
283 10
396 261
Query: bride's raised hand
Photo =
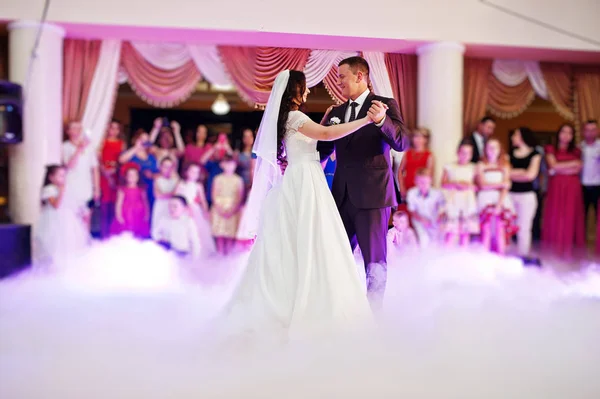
377 111
324 119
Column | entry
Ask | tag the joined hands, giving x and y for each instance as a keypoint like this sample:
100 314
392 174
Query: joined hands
377 111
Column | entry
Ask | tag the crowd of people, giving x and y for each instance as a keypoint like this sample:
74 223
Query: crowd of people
495 195
190 197
187 197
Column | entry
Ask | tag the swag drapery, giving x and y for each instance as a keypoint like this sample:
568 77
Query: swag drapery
507 88
164 75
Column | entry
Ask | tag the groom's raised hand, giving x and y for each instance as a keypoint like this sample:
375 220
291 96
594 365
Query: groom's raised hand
377 111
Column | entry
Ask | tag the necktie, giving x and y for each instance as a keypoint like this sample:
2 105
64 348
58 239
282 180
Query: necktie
353 106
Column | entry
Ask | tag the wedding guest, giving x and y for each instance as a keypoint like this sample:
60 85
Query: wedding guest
83 177
590 172
458 186
496 211
111 148
193 191
61 230
212 161
598 231
246 159
227 194
329 168
540 186
132 210
177 231
395 160
525 167
401 237
139 154
563 217
417 157
164 187
485 129
195 150
426 206
167 141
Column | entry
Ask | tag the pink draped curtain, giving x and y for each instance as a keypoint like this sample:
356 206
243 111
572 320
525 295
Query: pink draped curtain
254 69
80 60
158 87
402 69
330 83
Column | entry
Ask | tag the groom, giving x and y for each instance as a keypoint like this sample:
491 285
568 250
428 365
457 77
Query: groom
363 184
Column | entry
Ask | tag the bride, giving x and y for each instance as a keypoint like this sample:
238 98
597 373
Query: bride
301 273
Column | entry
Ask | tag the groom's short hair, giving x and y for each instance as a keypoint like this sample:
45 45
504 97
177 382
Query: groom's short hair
356 64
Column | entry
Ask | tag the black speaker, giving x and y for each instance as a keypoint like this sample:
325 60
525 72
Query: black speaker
11 113
15 248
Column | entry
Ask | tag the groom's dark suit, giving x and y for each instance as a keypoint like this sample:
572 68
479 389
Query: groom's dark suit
363 183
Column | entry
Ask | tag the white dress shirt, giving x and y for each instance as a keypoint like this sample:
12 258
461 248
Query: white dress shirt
479 142
590 172
360 100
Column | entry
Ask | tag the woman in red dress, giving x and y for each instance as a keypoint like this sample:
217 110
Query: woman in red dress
109 156
563 226
417 157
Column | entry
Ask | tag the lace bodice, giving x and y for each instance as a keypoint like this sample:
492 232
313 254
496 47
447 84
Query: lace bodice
299 147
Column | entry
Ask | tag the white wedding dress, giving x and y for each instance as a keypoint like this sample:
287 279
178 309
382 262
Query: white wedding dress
301 275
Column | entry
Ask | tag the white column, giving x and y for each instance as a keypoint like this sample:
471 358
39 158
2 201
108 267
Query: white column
41 77
440 99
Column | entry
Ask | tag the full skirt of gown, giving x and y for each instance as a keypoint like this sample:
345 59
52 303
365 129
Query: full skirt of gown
59 234
301 275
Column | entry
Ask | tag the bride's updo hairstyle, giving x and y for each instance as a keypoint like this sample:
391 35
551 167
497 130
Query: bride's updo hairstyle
291 100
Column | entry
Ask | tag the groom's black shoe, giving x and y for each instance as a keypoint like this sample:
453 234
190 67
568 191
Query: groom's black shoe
376 281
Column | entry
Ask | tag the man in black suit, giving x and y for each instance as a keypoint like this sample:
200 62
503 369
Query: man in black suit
485 129
363 184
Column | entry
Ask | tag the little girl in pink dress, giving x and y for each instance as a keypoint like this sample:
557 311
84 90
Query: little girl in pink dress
132 212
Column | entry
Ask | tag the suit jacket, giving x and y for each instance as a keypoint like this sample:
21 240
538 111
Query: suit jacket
363 170
476 155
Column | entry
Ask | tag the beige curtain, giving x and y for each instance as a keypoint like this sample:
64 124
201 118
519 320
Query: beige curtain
507 102
476 76
559 82
587 88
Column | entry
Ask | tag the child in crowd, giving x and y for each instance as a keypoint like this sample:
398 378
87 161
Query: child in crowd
177 231
227 194
193 191
401 236
61 230
496 211
458 183
426 206
164 187
109 153
132 211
